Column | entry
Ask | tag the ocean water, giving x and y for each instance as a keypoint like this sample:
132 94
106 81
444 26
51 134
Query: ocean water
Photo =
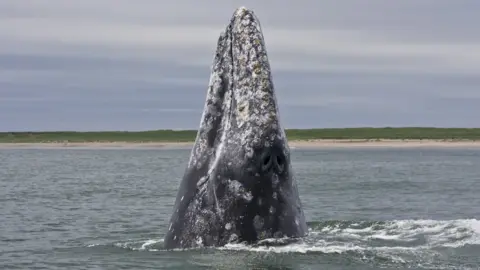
393 208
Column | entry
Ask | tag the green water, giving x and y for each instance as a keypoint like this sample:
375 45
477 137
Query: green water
367 209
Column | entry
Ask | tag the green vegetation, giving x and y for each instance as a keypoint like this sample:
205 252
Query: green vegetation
292 134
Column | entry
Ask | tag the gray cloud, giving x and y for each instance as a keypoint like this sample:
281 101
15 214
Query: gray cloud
105 64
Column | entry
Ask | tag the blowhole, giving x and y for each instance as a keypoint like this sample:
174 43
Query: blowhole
279 160
266 160
280 163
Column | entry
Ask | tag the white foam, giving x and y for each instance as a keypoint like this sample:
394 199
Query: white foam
452 233
148 243
409 242
320 246
340 238
137 245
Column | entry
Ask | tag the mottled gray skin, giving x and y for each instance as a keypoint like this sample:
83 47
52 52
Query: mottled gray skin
225 196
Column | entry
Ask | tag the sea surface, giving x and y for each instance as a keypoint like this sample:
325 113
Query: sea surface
367 208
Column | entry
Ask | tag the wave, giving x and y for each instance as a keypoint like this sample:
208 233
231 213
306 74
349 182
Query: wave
403 233
397 241
338 235
136 245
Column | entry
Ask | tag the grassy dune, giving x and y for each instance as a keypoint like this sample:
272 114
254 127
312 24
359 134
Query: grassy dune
411 133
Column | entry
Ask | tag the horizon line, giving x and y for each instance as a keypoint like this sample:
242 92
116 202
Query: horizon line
195 130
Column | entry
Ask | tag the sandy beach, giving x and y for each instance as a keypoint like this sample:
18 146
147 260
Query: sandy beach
293 144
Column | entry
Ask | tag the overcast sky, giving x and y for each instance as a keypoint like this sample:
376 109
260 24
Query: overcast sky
145 64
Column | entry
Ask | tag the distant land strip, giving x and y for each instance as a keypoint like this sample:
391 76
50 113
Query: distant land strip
386 133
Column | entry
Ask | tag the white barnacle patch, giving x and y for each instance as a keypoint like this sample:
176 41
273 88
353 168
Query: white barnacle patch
181 199
247 196
233 238
175 237
238 190
297 222
243 112
235 186
249 152
240 11
228 226
274 195
199 241
258 222
271 210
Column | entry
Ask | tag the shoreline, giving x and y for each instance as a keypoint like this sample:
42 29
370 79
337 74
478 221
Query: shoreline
320 143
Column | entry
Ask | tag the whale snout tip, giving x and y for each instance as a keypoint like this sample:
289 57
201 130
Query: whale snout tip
240 11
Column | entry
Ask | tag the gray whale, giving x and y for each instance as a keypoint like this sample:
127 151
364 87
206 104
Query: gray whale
238 185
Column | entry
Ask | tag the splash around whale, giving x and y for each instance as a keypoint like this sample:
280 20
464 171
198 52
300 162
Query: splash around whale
239 184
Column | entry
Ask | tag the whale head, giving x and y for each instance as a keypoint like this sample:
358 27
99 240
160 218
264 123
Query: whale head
239 184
